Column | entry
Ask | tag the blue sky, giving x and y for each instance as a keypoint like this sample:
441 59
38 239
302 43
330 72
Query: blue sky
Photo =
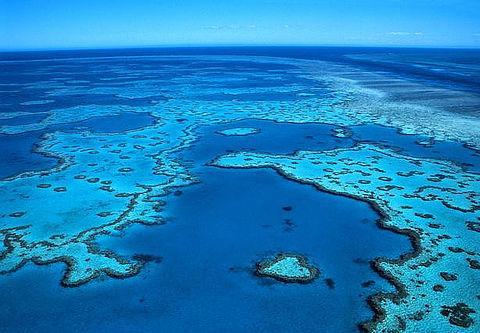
40 24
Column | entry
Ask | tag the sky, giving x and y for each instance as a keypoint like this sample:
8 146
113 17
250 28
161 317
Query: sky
59 24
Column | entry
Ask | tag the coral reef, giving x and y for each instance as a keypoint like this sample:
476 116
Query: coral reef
431 201
239 131
287 268
103 183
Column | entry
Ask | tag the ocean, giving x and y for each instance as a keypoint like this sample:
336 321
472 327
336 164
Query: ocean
142 189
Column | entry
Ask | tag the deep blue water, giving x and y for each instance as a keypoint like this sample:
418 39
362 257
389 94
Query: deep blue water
459 66
23 120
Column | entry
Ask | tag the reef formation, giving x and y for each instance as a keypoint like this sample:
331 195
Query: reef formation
435 203
289 268
239 131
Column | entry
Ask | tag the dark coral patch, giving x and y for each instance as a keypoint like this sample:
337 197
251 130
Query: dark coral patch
385 179
474 264
104 214
107 188
438 288
424 215
473 226
330 283
17 214
448 276
368 284
144 258
177 193
122 195
458 314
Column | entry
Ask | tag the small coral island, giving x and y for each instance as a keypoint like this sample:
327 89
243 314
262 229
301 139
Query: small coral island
290 268
240 131
342 132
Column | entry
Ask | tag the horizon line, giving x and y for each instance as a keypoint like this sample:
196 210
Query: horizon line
211 46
